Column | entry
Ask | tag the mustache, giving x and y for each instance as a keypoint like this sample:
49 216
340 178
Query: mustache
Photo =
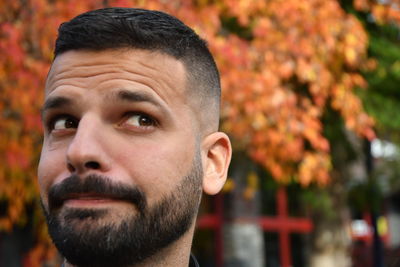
97 185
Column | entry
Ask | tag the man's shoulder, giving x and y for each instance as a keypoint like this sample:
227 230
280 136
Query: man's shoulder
193 261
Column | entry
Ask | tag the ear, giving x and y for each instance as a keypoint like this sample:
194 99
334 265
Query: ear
217 153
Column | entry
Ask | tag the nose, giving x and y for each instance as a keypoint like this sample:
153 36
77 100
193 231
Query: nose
86 151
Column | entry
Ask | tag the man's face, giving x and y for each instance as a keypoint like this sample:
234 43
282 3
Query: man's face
120 156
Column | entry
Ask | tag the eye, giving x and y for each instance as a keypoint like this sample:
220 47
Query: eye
62 123
140 120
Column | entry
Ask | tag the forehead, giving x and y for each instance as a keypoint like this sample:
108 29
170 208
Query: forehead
90 70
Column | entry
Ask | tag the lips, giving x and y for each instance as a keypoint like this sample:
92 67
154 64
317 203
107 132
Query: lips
91 198
93 189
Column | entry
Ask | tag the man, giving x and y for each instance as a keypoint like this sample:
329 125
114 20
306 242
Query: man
131 139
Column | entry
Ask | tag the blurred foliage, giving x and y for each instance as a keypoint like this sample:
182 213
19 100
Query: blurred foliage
382 99
383 95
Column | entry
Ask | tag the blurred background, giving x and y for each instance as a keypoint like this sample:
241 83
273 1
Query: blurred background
311 100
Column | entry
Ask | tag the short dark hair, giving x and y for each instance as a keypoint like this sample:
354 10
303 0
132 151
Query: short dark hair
113 28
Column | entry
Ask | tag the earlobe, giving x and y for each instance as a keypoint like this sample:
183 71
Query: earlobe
217 156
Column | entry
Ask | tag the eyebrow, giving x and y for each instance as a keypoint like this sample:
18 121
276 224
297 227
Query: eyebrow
55 102
131 96
122 94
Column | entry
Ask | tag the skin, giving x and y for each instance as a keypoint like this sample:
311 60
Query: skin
127 114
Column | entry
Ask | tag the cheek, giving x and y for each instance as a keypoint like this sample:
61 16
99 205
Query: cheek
157 168
50 169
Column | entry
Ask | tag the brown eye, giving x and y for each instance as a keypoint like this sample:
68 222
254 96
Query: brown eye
64 123
140 120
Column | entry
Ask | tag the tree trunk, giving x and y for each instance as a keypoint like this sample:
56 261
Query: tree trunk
243 245
243 236
331 241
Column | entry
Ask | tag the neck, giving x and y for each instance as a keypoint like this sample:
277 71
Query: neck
176 254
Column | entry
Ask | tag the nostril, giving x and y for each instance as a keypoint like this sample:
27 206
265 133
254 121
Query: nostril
92 165
70 167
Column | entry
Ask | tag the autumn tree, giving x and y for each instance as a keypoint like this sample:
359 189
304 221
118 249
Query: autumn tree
286 67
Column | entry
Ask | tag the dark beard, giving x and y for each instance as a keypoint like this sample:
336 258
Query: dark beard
135 237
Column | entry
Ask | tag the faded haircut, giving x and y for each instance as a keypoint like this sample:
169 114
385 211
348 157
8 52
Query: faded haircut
114 28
